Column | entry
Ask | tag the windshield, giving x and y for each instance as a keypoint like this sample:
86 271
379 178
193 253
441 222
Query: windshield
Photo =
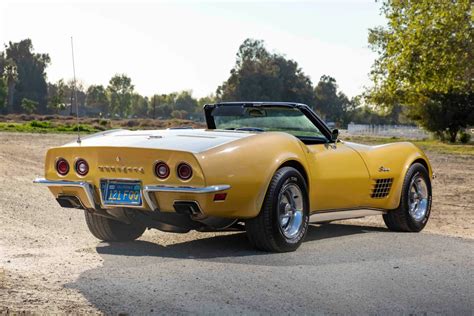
268 118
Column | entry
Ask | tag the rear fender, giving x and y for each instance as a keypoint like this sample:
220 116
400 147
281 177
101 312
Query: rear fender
248 165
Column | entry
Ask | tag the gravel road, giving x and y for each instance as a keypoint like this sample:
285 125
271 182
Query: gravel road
49 263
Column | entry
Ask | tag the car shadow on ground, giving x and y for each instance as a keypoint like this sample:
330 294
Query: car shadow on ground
225 245
142 277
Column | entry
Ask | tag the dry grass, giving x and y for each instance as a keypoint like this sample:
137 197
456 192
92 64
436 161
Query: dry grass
68 124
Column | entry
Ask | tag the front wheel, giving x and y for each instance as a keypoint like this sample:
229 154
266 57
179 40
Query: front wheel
283 220
415 202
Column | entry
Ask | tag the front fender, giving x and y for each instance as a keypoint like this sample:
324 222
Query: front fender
395 158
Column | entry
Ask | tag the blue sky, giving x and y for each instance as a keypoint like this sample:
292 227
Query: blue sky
191 45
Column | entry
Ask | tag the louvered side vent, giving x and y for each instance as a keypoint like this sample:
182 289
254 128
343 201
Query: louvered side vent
381 188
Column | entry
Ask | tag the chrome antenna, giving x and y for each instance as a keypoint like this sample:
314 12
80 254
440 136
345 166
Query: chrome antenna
74 91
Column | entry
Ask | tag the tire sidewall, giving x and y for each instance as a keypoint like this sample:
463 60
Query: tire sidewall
416 169
290 176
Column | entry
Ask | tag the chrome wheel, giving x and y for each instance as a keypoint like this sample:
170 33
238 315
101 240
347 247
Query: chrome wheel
290 210
418 197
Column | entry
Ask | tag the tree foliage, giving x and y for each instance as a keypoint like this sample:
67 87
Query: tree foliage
26 76
139 105
331 103
97 98
119 91
3 95
29 106
56 93
426 62
261 75
257 75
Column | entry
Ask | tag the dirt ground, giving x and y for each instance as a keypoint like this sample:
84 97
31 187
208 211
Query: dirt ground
40 252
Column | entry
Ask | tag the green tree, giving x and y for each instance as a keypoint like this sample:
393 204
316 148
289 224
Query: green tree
199 114
29 67
56 94
426 62
74 90
210 99
261 75
162 105
331 103
10 76
139 105
185 102
179 114
96 97
29 106
119 93
3 94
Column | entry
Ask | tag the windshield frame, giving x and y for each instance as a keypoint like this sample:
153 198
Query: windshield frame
305 109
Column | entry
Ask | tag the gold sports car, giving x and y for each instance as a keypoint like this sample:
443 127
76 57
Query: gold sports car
269 168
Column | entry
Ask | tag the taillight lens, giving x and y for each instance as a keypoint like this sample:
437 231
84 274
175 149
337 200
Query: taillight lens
82 168
185 171
62 166
162 170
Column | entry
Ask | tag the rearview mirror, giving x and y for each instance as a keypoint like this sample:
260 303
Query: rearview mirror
334 134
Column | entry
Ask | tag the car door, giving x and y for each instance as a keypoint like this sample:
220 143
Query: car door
339 176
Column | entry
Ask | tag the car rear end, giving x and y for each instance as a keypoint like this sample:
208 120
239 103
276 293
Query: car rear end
105 177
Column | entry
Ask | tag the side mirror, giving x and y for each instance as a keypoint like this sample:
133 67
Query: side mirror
334 134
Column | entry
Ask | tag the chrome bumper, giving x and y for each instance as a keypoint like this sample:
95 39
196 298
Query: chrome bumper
87 187
147 189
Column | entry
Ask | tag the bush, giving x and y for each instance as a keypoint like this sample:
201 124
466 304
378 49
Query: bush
464 137
40 124
132 123
103 122
29 106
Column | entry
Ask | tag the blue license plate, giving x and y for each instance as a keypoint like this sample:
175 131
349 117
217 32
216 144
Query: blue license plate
121 192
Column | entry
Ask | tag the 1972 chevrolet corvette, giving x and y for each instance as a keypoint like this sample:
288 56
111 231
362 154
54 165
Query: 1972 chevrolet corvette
270 168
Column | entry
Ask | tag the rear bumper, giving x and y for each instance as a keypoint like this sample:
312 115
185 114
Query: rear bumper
149 189
87 188
88 191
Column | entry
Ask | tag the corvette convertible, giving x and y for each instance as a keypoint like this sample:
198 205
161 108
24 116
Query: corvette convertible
269 168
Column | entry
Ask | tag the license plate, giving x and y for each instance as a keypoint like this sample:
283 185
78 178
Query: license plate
121 192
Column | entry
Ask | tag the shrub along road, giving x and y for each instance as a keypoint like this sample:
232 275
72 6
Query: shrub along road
50 263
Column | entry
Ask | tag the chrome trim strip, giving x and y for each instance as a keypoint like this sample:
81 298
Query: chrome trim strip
87 187
150 200
343 214
184 189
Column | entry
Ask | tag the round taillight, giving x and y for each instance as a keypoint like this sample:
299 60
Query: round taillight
162 170
82 168
185 171
62 166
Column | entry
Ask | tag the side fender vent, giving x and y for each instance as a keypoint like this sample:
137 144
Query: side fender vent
381 188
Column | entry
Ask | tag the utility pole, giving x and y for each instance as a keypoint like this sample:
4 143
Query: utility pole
154 106
72 99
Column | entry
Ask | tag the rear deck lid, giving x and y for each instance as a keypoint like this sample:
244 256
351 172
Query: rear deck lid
192 140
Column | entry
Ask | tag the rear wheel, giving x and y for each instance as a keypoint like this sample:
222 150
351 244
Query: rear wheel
107 229
415 202
283 220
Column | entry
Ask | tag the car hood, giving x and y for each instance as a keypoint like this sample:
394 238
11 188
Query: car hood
190 140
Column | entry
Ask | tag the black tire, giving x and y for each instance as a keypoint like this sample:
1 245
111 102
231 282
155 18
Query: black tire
264 231
107 229
400 219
